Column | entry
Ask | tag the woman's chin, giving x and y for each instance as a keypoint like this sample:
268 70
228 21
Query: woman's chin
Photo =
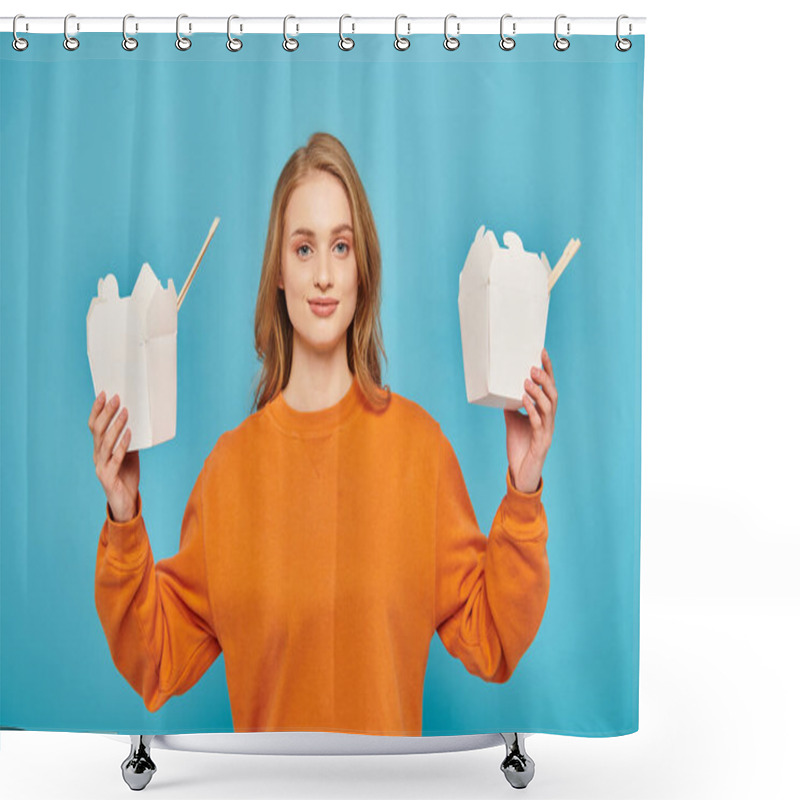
322 344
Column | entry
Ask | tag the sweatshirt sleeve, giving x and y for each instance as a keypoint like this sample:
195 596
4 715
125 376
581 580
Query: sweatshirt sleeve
156 617
491 592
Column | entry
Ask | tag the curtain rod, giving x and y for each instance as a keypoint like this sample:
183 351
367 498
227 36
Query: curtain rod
406 25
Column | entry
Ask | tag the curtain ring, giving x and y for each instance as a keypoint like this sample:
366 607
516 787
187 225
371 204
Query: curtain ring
128 42
561 43
289 43
507 42
451 42
345 43
400 42
623 44
233 44
70 42
181 42
18 43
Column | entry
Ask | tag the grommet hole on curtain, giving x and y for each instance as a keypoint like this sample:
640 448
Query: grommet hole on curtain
18 43
233 44
128 42
70 42
182 42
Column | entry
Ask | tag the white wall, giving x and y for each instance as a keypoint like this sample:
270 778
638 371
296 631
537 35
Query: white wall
719 699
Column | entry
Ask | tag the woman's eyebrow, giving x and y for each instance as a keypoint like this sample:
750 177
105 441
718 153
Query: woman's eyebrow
307 232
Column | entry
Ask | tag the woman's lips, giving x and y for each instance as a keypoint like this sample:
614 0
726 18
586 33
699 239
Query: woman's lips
323 309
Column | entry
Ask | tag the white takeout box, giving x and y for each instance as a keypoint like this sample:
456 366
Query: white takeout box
503 298
132 347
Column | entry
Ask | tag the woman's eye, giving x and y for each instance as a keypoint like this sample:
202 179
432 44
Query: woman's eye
343 244
302 246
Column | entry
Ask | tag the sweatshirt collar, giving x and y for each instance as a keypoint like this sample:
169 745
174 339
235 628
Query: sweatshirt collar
311 423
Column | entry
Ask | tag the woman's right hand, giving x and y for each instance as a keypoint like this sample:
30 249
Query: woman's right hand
118 471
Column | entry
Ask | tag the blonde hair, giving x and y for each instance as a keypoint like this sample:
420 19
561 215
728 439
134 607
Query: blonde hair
273 328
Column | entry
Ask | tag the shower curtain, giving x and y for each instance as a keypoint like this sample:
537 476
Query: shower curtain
111 159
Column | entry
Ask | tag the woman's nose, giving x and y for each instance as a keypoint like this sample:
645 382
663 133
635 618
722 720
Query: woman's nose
322 273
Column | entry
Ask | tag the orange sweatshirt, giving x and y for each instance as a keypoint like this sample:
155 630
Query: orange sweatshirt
320 551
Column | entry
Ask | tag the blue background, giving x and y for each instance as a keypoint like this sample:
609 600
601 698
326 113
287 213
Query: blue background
112 158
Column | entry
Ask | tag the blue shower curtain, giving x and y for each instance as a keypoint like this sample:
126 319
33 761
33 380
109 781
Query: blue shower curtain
112 158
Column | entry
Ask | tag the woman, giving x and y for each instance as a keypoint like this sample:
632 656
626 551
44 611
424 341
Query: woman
330 534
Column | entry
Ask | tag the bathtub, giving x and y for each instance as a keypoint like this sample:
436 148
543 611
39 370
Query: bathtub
138 767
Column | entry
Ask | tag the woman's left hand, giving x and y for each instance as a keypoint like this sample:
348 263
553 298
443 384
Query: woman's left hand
528 438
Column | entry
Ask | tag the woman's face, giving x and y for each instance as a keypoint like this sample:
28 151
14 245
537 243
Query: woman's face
318 261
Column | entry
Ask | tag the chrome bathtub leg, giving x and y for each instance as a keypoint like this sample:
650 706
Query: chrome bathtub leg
517 766
138 767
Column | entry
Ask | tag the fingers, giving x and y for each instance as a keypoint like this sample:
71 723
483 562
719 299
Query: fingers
119 452
96 408
105 435
535 416
547 364
102 412
111 436
542 414
543 404
546 379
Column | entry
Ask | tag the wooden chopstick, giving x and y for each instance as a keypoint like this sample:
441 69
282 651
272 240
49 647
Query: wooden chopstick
199 258
566 257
